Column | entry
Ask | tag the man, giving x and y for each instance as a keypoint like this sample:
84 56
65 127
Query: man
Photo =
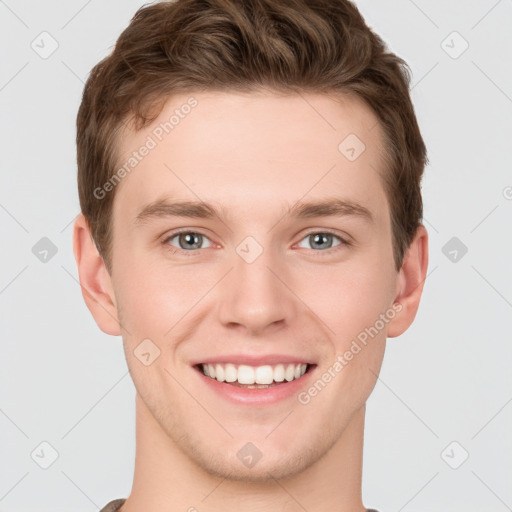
249 177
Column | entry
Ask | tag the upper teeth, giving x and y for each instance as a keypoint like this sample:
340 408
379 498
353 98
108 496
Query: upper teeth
254 375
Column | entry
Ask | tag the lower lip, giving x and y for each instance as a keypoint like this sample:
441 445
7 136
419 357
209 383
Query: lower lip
257 396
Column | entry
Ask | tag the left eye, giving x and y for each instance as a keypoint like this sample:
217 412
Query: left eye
321 241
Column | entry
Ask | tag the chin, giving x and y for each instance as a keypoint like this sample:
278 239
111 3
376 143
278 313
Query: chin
272 463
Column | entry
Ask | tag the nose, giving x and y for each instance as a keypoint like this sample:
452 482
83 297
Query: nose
255 296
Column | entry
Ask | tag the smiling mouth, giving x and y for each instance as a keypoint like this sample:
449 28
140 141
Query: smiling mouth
254 377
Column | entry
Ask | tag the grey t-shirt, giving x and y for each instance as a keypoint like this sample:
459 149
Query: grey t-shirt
114 505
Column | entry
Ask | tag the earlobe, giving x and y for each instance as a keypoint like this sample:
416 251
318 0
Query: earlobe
95 280
410 280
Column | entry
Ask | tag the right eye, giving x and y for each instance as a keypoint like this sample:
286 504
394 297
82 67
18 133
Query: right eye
187 241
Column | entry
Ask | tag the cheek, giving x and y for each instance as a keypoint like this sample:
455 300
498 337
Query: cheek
360 317
155 298
349 299
166 303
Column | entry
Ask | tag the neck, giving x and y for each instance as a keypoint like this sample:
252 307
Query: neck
166 479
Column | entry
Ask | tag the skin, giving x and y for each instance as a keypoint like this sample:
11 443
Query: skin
255 155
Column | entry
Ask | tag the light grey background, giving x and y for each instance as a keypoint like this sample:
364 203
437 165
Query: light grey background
448 378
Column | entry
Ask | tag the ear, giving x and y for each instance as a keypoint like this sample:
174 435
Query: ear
410 280
95 280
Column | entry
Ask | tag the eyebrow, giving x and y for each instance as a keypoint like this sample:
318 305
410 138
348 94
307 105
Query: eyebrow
164 208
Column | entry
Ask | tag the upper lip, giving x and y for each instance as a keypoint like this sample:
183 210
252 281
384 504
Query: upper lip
237 359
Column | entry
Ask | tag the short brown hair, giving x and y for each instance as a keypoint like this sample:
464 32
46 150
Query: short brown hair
320 46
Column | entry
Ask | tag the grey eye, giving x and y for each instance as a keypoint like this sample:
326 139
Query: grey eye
188 240
320 240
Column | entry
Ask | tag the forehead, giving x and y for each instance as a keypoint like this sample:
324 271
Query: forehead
252 150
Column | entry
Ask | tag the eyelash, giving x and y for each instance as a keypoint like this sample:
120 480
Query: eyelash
193 252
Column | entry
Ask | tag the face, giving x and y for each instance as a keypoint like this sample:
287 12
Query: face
260 284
